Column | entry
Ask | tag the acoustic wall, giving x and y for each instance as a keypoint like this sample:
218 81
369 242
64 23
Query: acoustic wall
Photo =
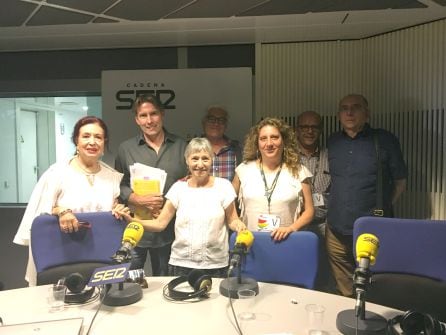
403 76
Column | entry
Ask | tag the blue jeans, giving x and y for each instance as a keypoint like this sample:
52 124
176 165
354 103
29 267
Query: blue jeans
159 258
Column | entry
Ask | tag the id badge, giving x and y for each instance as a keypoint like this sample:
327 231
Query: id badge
318 200
268 222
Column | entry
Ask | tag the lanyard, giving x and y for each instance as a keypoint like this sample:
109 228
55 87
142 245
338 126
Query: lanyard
269 190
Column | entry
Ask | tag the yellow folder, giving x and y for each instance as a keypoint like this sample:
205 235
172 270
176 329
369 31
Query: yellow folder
145 187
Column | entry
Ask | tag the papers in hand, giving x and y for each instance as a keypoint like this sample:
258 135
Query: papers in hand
146 180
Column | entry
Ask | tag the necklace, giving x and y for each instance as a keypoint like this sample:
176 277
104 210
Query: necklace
269 190
90 175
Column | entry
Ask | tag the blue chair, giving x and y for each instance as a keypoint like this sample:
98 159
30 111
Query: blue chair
293 261
410 268
58 254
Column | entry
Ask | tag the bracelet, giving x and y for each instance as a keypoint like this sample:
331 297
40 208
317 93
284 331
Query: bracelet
65 211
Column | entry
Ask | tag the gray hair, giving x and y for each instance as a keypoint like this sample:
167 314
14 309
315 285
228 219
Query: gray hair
198 144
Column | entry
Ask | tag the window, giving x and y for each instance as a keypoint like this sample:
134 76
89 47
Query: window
36 132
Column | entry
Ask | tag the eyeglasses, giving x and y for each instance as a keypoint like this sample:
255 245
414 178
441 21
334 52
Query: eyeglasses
306 127
216 120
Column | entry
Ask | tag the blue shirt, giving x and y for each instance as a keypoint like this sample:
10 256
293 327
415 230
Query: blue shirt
353 169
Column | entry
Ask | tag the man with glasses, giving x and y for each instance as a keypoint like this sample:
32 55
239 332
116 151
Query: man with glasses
153 146
353 162
227 152
315 159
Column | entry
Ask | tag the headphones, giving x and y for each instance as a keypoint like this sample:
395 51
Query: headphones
413 323
198 279
75 284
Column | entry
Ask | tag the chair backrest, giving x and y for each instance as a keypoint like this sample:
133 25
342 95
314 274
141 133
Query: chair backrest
56 254
410 268
292 261
410 246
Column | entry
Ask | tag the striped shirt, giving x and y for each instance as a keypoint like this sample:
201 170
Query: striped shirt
317 163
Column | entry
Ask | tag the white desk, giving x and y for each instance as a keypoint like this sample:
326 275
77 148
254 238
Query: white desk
155 315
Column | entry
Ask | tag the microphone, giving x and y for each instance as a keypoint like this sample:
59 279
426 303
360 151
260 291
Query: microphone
132 235
230 286
366 251
125 293
243 242
358 321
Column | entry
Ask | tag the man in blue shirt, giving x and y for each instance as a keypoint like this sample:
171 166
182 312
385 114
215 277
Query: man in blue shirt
353 193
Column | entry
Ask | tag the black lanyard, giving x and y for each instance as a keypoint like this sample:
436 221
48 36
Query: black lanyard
269 190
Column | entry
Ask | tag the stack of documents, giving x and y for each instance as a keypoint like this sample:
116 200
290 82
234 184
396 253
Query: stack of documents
146 180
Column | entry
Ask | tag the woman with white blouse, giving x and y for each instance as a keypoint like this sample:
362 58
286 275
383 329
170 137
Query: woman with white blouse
81 184
204 208
273 188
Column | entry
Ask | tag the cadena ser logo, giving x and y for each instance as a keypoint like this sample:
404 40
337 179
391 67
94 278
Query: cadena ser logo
134 226
126 97
109 274
371 239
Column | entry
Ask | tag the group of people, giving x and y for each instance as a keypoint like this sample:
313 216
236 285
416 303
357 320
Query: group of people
283 182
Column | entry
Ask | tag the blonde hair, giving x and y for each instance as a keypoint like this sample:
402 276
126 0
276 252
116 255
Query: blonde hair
290 156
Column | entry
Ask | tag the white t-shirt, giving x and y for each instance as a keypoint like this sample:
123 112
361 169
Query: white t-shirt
201 236
286 199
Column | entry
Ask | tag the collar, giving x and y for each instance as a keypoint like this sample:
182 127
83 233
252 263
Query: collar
365 132
316 153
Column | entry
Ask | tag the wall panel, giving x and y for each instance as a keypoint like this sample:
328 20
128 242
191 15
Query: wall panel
402 74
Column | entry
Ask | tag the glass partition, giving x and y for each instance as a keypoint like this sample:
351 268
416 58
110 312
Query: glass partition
36 132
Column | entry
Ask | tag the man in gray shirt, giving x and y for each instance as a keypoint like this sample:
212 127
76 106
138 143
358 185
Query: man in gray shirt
155 147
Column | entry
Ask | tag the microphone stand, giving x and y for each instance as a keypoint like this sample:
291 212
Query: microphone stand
125 293
358 321
230 286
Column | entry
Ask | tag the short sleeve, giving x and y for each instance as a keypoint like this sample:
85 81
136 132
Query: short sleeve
174 193
227 191
304 174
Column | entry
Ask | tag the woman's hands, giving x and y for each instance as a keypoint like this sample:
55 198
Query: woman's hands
281 233
68 222
120 211
237 225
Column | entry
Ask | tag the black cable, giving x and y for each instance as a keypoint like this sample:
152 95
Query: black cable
97 310
237 325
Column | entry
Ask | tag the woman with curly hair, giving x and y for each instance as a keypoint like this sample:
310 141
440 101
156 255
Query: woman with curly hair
273 187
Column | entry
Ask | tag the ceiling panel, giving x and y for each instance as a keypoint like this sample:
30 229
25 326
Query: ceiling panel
95 6
53 16
215 8
140 10
67 24
281 7
14 13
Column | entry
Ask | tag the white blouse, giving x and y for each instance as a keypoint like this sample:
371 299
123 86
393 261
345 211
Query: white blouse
286 199
63 186
201 236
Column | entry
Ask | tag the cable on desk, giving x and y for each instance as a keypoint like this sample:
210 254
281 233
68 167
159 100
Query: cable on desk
99 307
237 325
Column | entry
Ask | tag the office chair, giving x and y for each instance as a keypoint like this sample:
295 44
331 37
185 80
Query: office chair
410 269
293 261
57 254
